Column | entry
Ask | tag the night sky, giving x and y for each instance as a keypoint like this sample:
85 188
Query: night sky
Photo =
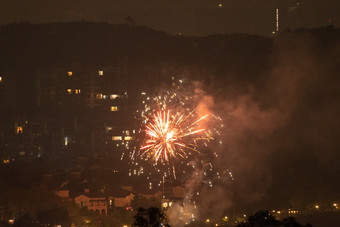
190 17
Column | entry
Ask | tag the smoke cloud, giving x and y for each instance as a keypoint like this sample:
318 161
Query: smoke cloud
280 130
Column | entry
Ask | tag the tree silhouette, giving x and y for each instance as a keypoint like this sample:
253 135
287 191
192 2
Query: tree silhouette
55 215
141 218
291 222
152 217
155 216
265 219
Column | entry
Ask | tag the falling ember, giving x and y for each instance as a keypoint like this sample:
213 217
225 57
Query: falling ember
170 135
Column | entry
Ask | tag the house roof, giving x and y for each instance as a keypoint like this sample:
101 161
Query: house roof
92 195
118 193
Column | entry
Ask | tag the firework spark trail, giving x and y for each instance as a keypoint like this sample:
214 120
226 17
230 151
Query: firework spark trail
168 135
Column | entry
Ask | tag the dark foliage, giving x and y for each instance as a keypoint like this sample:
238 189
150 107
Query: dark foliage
151 217
54 216
265 219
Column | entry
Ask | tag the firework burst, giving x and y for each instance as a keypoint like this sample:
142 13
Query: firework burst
174 133
170 135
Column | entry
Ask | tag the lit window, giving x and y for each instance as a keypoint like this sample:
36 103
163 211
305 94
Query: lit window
69 73
0 79
77 91
69 91
127 138
19 130
116 138
100 72
114 108
99 96
104 96
114 96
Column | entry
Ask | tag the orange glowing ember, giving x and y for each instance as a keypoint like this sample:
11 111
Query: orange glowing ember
170 135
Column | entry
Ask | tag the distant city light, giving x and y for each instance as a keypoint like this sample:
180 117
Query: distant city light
114 96
69 73
19 130
114 108
293 211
